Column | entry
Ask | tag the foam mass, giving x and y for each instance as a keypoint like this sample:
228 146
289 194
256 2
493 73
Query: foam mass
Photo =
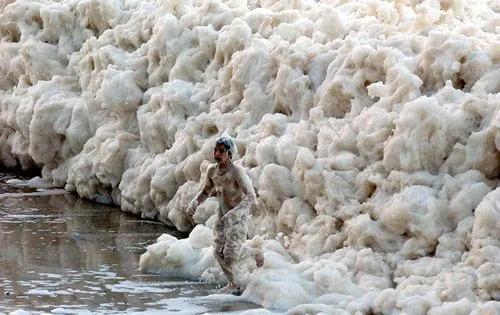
370 130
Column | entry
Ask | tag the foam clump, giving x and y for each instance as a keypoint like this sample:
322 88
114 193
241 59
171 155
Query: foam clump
370 131
189 258
35 182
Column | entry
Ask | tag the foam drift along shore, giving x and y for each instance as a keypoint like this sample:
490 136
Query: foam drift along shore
370 130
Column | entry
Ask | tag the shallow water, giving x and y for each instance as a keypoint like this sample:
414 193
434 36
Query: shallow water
62 254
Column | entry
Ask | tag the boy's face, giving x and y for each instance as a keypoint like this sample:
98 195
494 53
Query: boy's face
220 154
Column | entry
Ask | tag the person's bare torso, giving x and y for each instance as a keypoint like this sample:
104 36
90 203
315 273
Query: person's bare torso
227 186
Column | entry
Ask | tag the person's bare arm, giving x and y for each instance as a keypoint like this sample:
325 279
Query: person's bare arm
245 184
205 192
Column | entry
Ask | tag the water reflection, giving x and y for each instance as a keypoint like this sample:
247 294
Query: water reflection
59 253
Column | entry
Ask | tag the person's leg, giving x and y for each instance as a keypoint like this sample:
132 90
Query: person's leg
219 242
223 265
235 235
227 266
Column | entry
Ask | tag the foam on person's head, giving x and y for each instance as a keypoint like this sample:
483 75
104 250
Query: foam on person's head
227 143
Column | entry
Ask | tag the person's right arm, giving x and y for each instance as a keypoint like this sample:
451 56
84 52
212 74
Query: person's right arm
205 192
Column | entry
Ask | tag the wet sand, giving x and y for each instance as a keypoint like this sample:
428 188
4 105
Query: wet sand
62 254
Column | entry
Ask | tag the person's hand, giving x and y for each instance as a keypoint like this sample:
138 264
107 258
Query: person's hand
259 259
191 209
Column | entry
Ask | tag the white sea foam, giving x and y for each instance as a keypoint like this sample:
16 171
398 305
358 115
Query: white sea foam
137 287
51 293
36 193
370 130
181 306
35 182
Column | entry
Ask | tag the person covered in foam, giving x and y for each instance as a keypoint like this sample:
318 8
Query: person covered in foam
233 188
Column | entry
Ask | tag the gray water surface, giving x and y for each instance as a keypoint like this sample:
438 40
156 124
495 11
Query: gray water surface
62 254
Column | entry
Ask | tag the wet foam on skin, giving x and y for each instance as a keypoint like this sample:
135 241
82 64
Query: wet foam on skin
370 131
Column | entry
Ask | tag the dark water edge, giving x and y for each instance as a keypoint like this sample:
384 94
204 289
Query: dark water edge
19 172
62 254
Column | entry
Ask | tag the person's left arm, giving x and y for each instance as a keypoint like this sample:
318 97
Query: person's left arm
245 184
